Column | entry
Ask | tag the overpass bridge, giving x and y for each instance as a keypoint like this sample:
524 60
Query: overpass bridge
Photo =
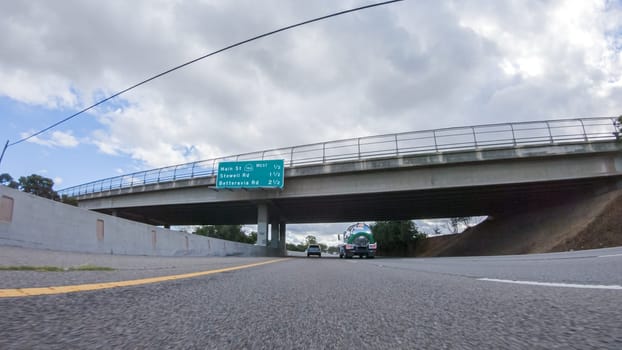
493 169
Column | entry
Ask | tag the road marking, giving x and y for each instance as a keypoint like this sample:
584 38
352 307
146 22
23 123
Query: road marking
609 256
549 284
23 292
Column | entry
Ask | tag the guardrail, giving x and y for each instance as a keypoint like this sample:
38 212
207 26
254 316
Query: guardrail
408 143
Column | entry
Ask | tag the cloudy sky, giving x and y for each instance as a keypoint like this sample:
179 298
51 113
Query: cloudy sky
412 65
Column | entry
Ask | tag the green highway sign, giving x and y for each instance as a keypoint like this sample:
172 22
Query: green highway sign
251 174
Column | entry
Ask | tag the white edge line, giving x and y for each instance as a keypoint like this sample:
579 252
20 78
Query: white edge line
609 256
549 284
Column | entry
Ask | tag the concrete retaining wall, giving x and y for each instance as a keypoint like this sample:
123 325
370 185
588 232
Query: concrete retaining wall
30 221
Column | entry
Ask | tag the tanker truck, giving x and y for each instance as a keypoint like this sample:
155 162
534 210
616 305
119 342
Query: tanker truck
358 240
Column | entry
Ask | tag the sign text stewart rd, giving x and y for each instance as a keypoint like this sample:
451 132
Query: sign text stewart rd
251 174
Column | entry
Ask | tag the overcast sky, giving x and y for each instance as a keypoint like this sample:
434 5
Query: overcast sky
407 66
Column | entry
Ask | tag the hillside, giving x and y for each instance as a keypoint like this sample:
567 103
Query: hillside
580 224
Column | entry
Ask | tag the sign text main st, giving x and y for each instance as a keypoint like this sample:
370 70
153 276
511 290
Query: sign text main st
251 174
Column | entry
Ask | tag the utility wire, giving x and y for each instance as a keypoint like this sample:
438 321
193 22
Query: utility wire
198 59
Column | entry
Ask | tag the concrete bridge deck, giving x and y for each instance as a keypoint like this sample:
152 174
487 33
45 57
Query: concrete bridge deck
484 182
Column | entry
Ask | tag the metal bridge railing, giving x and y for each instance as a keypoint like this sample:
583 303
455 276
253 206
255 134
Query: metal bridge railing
505 135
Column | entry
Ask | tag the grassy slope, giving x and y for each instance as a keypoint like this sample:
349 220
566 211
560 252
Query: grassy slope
581 224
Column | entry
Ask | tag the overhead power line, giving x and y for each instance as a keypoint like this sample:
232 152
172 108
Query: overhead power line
193 61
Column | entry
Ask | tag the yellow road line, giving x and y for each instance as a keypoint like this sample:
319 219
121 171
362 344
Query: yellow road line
23 292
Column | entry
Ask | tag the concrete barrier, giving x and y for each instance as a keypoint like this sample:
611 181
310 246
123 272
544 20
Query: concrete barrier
34 222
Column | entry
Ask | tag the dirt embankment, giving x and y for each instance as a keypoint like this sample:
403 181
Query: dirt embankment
584 223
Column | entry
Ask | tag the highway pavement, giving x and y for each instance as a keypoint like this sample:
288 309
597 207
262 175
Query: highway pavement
546 301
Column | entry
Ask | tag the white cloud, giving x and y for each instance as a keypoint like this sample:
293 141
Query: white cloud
54 139
324 233
429 226
561 59
407 66
47 89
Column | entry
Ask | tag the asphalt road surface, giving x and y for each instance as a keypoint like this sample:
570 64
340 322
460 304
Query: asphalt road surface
565 301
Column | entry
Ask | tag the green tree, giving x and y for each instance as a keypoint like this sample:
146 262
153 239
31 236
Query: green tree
206 230
332 250
7 180
296 247
310 240
227 232
69 200
455 224
38 185
252 238
436 230
396 236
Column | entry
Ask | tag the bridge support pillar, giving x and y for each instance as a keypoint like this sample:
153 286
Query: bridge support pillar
282 246
275 237
262 224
